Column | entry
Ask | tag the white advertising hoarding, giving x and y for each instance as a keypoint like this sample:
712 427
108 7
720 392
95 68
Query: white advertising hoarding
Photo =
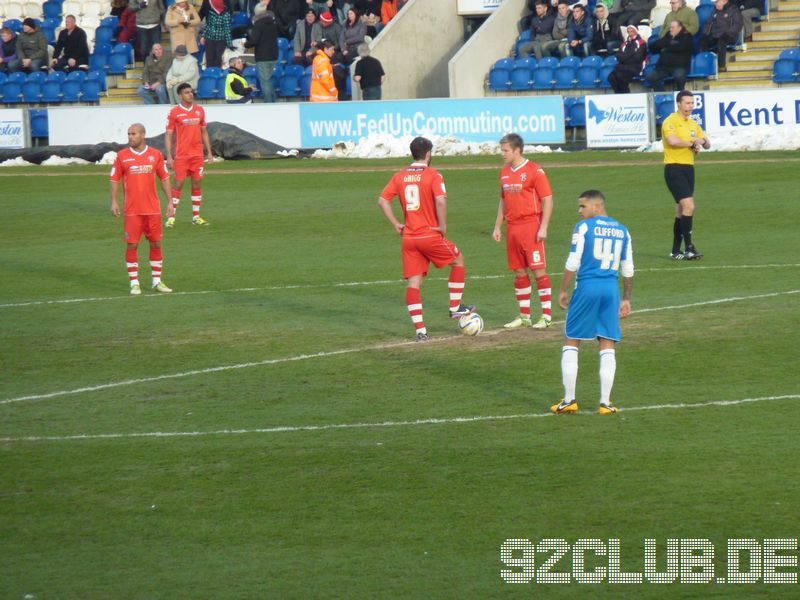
721 112
277 123
12 128
477 7
618 120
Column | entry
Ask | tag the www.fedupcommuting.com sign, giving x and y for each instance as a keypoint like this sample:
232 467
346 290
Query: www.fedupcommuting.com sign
539 120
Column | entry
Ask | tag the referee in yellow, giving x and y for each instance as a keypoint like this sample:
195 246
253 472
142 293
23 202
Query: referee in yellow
683 138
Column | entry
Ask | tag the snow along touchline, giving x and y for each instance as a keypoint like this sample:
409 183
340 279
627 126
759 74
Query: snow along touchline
308 286
275 361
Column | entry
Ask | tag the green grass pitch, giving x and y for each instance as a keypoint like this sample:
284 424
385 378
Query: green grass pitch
308 450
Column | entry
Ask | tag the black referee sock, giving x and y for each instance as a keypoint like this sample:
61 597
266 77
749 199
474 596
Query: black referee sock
686 230
676 236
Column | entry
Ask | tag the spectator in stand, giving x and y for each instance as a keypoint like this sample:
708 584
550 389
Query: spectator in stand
118 7
217 35
675 57
352 35
287 13
631 57
614 7
323 85
541 30
579 33
721 29
126 30
326 28
320 6
304 48
236 89
154 77
388 11
683 14
8 51
605 37
369 74
264 38
183 69
750 9
370 12
634 12
560 29
149 16
31 48
71 50
182 20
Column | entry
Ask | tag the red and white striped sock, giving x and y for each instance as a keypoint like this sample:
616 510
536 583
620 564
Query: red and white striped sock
156 261
197 199
456 285
132 262
545 295
176 199
414 302
522 287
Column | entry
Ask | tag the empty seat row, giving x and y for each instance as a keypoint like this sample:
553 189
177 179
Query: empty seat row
786 69
51 92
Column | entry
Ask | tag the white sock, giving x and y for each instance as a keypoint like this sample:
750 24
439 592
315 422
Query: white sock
608 367
569 371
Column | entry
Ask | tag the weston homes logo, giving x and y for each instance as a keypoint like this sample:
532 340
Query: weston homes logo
615 121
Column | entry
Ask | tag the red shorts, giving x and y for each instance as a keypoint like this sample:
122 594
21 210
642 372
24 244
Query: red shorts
524 252
136 225
188 167
419 252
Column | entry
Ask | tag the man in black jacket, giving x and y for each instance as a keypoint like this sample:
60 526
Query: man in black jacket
264 38
675 57
287 13
541 30
71 49
721 29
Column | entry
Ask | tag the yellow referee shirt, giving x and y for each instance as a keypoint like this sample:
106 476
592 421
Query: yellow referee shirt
687 130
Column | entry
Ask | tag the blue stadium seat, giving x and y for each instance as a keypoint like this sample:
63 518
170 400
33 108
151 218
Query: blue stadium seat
665 106
577 113
602 76
294 70
289 86
504 63
570 61
499 79
221 84
51 10
704 65
99 77
784 70
14 25
305 85
529 62
704 12
211 72
206 87
521 78
543 78
586 77
90 91
51 92
790 53
240 19
58 76
564 78
610 61
523 38
31 92
12 92
54 22
549 62
98 62
125 49
70 91
36 77
592 61
3 77
39 124
117 64
103 35
17 77
78 76
49 34
111 21
568 102
284 44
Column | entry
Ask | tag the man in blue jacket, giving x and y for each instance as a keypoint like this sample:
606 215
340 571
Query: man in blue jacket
579 33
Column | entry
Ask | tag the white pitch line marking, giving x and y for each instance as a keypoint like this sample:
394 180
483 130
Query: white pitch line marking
382 346
378 424
274 288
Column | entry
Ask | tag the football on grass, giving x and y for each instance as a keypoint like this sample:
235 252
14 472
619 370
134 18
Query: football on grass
471 324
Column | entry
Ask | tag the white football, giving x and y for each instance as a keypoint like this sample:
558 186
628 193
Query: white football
471 324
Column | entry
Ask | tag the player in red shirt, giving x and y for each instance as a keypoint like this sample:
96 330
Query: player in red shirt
526 203
423 199
187 123
137 167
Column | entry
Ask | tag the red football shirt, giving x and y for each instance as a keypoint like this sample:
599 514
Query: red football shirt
417 186
522 190
137 171
187 124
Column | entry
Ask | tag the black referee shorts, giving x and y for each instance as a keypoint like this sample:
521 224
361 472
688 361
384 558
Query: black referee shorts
680 180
